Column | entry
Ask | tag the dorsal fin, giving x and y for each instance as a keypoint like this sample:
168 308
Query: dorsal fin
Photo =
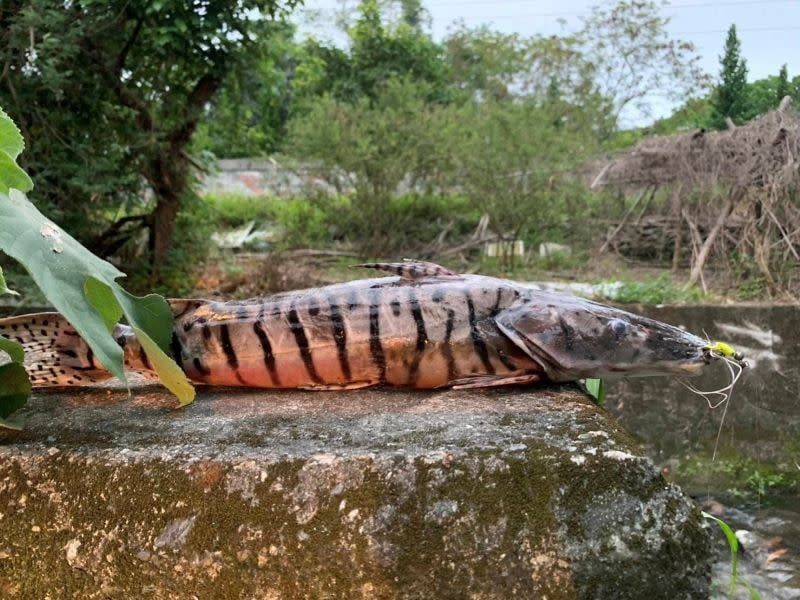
411 269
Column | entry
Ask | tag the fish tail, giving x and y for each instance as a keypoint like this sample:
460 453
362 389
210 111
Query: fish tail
55 355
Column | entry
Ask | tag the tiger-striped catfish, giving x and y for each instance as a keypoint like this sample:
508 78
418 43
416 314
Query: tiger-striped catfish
422 327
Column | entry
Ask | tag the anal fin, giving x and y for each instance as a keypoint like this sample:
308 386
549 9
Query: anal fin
490 381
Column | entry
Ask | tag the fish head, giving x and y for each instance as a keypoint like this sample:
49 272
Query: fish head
572 338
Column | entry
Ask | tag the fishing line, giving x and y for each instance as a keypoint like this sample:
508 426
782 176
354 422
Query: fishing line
726 392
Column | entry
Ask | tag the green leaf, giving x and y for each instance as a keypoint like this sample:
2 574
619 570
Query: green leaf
13 349
59 265
14 393
12 175
733 543
11 140
82 287
102 298
596 390
151 320
170 373
150 314
3 288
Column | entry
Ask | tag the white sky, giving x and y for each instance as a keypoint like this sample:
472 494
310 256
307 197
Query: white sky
769 29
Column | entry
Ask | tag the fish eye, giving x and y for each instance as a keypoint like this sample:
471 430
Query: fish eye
618 326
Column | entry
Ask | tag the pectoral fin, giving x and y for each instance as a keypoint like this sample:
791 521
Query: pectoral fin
489 381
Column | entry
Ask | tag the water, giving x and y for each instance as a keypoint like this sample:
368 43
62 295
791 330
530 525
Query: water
752 484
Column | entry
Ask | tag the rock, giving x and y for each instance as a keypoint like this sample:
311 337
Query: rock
375 494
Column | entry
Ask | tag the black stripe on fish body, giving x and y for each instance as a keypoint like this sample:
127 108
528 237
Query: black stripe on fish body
498 299
143 358
313 307
200 367
90 357
176 349
206 331
299 332
340 337
422 336
375 347
230 352
447 349
477 339
506 360
395 304
266 348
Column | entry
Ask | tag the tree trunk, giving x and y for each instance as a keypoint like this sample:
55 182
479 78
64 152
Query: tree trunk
163 227
168 177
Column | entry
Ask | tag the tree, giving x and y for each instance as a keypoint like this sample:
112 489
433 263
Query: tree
249 114
730 96
378 52
634 58
374 145
783 87
513 161
126 82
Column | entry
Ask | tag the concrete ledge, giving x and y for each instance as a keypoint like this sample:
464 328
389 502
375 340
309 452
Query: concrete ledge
376 494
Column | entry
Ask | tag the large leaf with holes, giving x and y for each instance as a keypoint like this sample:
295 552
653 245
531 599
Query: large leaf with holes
82 287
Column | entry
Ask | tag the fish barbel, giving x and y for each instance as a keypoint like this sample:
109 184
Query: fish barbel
423 327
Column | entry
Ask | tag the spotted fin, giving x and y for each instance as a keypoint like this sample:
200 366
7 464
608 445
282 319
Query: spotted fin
411 269
55 355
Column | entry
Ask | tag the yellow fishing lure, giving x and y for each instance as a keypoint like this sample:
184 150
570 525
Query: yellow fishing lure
723 349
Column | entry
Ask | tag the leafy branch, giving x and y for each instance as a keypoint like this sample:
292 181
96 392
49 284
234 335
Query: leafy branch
81 286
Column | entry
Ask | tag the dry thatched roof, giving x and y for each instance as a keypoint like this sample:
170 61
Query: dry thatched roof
763 153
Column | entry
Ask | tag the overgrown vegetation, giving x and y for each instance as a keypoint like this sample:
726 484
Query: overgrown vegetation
421 138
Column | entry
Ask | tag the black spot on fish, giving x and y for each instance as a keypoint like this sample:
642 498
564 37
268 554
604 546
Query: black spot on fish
568 333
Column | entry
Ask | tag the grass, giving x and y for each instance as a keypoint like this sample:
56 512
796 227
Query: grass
656 290
733 544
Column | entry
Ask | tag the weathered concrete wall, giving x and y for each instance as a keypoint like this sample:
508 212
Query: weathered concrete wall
376 494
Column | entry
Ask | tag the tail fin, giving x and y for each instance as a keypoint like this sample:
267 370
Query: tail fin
55 355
